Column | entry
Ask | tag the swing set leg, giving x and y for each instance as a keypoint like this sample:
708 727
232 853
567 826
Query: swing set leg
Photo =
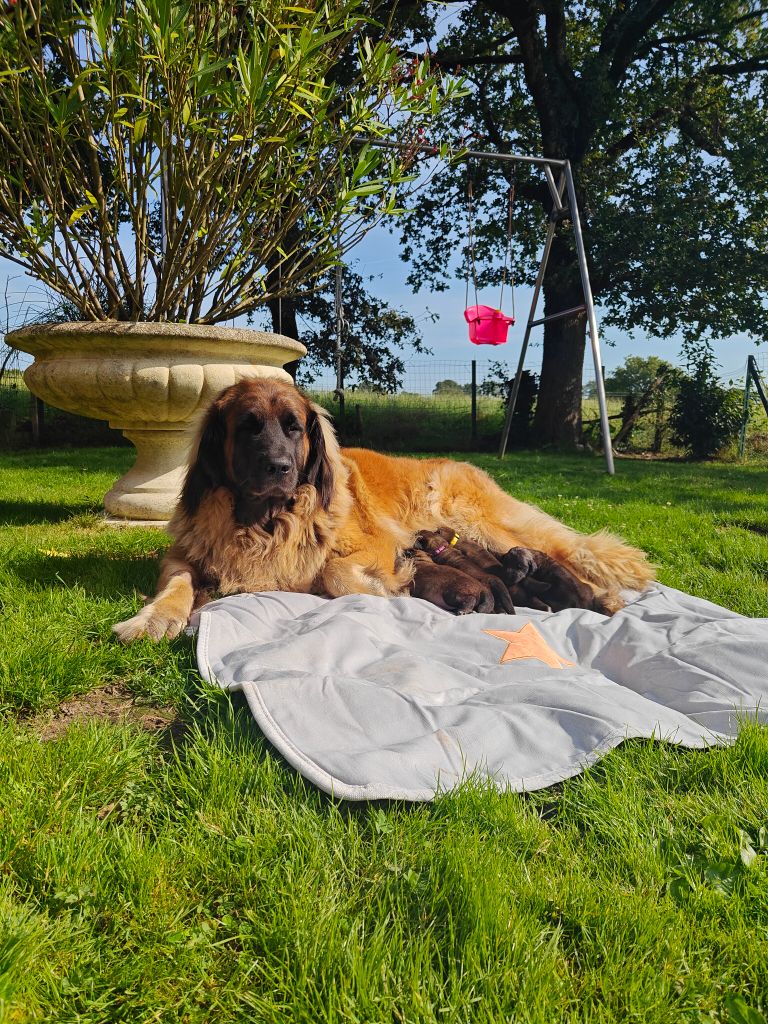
566 181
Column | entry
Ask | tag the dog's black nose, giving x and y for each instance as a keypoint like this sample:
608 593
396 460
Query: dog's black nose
279 467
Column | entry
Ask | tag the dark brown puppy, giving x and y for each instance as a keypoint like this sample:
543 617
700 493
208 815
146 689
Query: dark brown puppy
534 579
526 592
447 587
563 590
482 557
444 553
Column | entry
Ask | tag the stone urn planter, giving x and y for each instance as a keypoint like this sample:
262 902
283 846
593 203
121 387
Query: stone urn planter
152 381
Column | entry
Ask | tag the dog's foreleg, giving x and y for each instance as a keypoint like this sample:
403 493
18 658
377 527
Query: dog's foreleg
354 574
168 612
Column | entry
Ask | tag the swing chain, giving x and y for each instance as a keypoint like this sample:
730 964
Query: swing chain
472 269
507 268
508 251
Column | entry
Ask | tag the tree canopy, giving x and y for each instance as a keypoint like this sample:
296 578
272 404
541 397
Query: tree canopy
660 105
636 375
190 162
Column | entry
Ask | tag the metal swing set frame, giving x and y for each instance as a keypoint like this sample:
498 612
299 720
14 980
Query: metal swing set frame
560 188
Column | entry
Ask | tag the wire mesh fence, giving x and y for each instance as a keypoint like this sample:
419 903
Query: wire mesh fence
26 421
424 377
442 405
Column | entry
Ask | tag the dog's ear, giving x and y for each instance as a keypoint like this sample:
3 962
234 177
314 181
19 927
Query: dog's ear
322 446
207 469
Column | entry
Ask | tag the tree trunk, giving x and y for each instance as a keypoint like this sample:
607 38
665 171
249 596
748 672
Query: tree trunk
283 313
557 422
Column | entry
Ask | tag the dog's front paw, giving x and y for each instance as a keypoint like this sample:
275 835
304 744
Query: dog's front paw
305 501
149 622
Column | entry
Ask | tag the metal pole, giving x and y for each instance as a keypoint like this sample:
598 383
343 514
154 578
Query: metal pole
38 419
539 161
526 337
534 303
594 337
758 383
473 413
745 410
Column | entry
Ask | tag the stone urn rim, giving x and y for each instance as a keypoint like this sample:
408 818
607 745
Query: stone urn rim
117 335
153 381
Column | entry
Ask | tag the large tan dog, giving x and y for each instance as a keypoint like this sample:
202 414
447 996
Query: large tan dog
271 502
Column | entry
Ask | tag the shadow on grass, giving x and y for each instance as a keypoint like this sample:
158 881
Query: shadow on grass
99 574
35 513
95 460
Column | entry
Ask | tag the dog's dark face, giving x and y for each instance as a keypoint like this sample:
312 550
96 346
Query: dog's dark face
261 438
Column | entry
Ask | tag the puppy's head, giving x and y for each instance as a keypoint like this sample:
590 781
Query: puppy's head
431 542
261 438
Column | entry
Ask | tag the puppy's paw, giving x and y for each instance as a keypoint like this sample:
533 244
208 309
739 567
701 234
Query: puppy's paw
149 622
502 598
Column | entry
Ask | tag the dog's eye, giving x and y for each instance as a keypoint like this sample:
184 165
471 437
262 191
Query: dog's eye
252 424
293 427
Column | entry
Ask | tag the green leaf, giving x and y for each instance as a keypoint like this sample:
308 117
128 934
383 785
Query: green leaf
722 876
679 888
382 826
747 852
78 213
739 1012
140 127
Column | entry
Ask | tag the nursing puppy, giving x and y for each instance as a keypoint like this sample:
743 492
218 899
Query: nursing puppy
534 579
445 553
448 588
271 502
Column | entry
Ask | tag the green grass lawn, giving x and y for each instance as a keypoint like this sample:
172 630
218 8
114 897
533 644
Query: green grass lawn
186 874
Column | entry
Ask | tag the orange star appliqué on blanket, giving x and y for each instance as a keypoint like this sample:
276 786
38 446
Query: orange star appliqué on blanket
528 643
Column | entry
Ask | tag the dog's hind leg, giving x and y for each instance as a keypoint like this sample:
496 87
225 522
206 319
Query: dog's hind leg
169 611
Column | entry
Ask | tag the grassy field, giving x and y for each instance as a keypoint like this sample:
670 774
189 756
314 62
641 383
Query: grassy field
161 863
398 423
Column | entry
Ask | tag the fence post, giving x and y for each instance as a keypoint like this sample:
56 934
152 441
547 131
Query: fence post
658 428
745 409
37 417
474 402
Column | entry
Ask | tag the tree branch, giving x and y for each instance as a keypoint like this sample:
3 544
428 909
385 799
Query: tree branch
633 138
702 35
625 31
471 60
739 67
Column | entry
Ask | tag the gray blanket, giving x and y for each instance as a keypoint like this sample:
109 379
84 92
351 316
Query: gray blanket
372 698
